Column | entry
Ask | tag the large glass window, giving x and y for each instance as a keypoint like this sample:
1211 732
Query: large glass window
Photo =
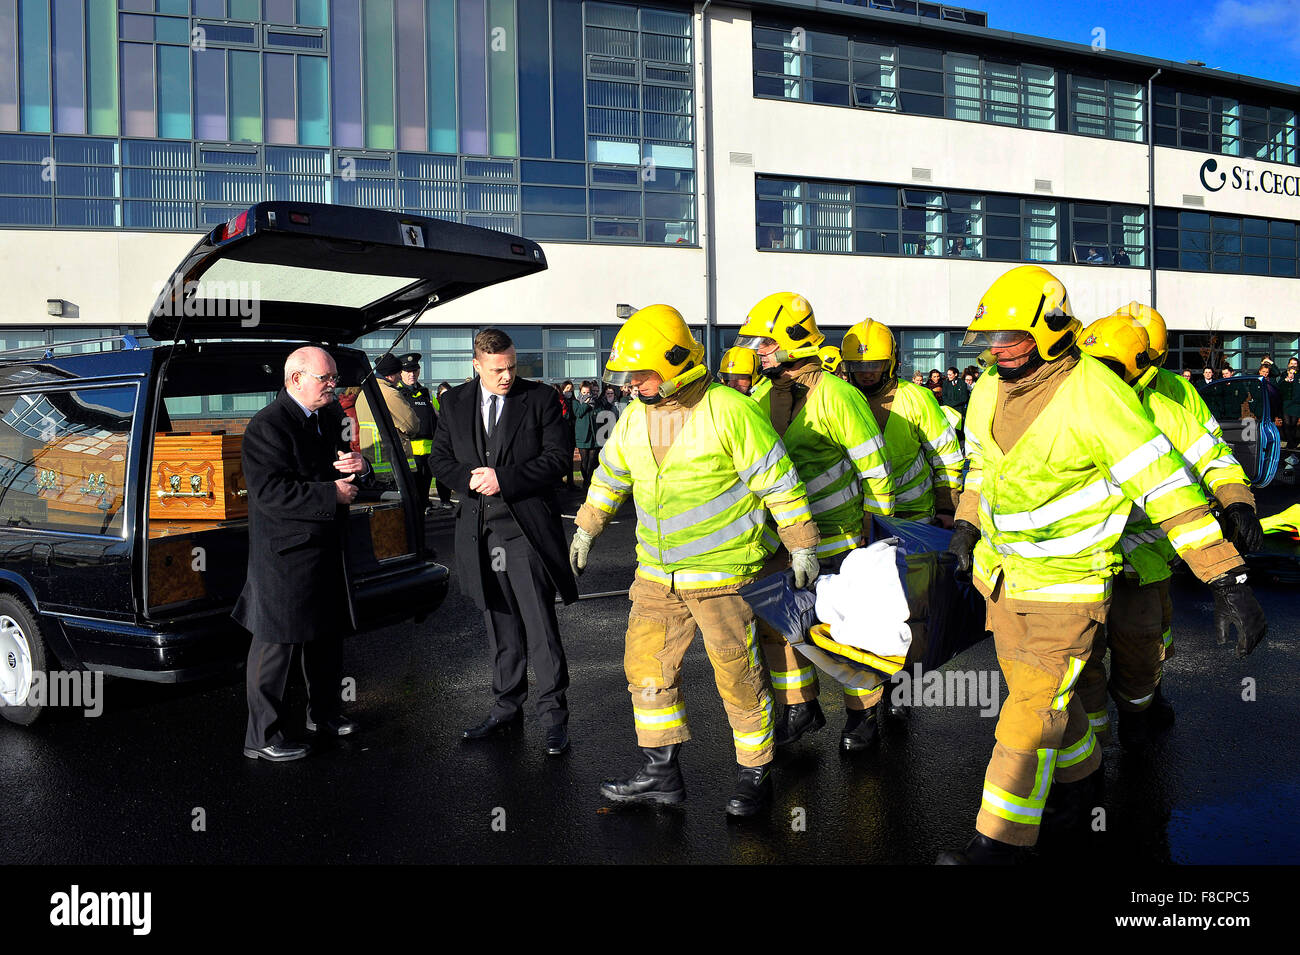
1108 234
1202 242
1225 125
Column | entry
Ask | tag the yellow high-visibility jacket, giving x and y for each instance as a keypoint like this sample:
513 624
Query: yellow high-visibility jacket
700 514
1052 509
924 454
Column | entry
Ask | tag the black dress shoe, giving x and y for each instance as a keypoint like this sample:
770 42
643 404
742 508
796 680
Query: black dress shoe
334 726
557 740
495 726
279 752
753 791
799 718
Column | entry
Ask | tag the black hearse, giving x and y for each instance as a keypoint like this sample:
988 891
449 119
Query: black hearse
112 556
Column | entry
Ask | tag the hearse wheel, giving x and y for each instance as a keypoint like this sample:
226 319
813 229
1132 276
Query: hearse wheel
22 654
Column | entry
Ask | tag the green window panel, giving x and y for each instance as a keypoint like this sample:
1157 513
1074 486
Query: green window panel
502 104
245 76
313 13
174 119
245 9
34 65
378 73
313 101
440 15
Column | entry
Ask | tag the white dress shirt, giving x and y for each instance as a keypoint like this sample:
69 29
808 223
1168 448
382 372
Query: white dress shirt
485 407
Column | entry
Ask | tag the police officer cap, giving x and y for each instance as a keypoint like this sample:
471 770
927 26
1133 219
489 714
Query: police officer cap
387 365
411 361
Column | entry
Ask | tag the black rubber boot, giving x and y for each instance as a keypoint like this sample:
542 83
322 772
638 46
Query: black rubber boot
1070 805
1160 712
982 851
861 730
659 780
753 790
797 719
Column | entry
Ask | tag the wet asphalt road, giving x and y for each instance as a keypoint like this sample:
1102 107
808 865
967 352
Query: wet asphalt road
1224 787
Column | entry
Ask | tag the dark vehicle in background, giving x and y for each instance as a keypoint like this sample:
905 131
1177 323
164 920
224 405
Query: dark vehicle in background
123 528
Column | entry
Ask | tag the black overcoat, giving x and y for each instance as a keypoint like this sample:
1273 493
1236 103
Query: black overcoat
536 449
297 587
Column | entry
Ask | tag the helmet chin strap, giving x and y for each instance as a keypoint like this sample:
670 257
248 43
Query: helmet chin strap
1033 362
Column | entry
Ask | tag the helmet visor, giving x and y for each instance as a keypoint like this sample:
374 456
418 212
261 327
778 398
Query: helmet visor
862 367
753 342
1005 339
620 378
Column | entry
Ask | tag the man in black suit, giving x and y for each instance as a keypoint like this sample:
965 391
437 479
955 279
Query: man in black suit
301 477
501 442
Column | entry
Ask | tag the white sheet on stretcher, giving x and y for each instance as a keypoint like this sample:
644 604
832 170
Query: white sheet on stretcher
865 603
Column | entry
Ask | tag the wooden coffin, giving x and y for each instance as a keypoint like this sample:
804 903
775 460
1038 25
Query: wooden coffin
82 477
197 476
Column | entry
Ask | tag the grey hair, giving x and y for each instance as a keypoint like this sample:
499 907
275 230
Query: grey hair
299 359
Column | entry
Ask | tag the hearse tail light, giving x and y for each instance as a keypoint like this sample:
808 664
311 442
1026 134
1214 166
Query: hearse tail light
233 227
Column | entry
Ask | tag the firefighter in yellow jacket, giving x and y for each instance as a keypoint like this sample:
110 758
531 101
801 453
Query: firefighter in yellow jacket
1138 625
704 469
922 446
738 370
1060 451
839 453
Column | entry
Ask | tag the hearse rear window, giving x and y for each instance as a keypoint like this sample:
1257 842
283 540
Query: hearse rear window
265 282
63 459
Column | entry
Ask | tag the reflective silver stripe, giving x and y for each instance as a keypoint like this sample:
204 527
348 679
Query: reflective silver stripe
919 465
943 437
608 477
1203 446
911 494
1057 510
830 546
702 576
1142 457
1070 546
603 457
1069 589
832 501
870 446
1229 461
766 462
1196 536
878 473
646 518
702 512
598 496
745 522
1132 542
832 474
1179 479
877 506
1033 812
786 483
952 459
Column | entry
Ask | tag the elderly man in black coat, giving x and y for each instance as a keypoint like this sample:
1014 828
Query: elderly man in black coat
501 442
301 477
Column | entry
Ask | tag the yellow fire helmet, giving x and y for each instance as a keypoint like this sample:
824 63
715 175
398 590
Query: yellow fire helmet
1120 344
738 362
786 318
1026 299
656 338
1154 323
831 358
869 346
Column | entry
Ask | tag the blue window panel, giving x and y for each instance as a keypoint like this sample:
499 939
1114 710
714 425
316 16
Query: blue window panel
312 13
472 65
615 202
158 215
534 80
345 62
669 206
566 35
138 88
423 166
87 213
555 227
551 199
554 173
245 9
677 157
669 180
412 88
230 187
277 11
431 198
69 68
26 179
34 64
313 101
303 161
174 120
157 184
279 106
74 149
172 30
372 193
604 150
670 233
210 8
177 7
440 59
298 188
86 181
216 33
613 229
21 211
157 155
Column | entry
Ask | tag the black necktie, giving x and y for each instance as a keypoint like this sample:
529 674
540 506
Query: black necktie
492 414
313 424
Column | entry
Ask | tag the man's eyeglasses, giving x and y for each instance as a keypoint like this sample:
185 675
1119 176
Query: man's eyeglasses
324 379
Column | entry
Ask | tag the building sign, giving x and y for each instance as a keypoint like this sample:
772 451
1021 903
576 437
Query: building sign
1244 179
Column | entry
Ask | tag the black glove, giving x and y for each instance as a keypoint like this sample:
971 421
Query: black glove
1235 603
964 537
1241 526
